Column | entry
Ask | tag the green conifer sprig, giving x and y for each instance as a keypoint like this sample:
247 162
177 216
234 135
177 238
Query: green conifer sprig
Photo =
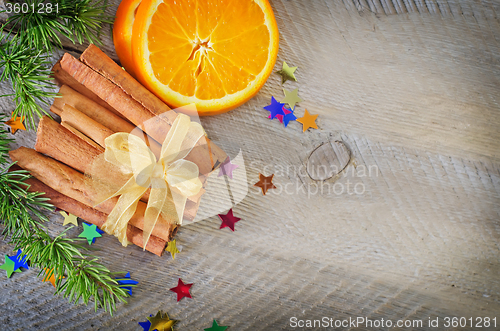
22 216
24 54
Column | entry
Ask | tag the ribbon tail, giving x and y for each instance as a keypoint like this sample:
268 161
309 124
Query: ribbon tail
117 221
156 201
180 204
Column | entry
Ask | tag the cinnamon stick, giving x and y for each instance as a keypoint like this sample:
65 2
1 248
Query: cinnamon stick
92 129
90 108
62 145
72 184
205 154
155 245
63 78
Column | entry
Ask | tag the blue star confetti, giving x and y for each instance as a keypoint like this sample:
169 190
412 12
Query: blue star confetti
146 325
127 281
289 116
20 260
276 108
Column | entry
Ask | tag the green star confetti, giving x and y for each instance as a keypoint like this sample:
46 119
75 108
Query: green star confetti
89 232
216 327
8 266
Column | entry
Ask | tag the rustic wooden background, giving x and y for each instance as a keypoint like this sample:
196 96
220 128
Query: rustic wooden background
412 89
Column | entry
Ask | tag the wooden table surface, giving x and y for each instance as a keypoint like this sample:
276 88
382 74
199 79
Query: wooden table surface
412 89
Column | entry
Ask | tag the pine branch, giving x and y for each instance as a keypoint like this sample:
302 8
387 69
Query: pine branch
4 141
78 20
27 70
22 215
24 57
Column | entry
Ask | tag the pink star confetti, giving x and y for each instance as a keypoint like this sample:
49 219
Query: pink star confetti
227 168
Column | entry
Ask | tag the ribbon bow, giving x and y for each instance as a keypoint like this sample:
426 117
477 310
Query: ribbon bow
171 178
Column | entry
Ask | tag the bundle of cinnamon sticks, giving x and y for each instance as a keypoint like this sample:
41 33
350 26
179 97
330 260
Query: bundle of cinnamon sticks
97 99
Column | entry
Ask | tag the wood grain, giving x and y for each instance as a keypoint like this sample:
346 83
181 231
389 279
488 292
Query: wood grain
411 88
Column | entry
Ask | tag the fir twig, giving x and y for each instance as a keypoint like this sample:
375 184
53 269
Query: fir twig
24 57
21 213
27 70
4 141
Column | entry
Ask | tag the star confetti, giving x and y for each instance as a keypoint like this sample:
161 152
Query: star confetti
216 327
228 220
20 260
172 248
90 232
68 218
289 116
276 108
8 266
287 73
182 290
265 183
291 97
52 278
16 124
145 325
161 322
227 168
127 281
308 121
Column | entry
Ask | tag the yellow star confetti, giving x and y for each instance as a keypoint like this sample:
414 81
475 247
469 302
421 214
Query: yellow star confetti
308 121
161 323
16 124
291 97
172 248
69 218
287 73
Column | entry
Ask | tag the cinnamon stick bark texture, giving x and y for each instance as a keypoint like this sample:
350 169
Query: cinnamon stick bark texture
64 78
104 65
155 245
82 136
90 108
205 154
92 129
72 184
61 144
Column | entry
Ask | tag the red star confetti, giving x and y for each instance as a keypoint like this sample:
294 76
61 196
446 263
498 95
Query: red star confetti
265 183
228 220
182 290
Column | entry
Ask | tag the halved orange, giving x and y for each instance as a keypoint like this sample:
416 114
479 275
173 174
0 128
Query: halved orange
216 54
122 32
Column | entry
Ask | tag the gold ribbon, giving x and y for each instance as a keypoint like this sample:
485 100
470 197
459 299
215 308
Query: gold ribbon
172 179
